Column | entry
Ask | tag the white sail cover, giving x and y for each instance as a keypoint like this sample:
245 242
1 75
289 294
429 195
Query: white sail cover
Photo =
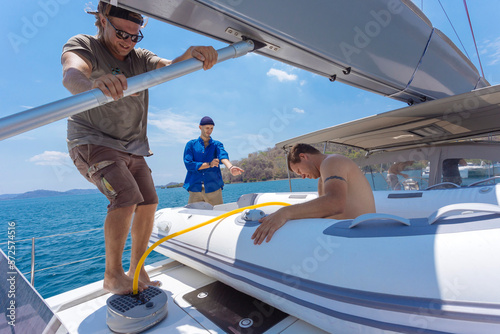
384 46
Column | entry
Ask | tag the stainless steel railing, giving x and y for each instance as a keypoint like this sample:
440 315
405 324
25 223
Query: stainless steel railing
33 253
33 118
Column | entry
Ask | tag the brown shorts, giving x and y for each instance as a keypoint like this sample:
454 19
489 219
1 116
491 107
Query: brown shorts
213 198
125 179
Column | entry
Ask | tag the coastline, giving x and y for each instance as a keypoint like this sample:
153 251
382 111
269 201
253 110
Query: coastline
47 193
242 182
53 193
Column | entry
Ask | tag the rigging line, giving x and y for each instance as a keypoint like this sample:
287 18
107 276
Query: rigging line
474 38
73 262
463 47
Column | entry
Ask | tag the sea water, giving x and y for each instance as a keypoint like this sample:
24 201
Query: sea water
63 217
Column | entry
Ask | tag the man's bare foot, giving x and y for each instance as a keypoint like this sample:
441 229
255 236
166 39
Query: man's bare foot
120 284
143 277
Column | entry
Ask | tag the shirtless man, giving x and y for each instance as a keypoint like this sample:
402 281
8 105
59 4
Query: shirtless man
397 169
344 192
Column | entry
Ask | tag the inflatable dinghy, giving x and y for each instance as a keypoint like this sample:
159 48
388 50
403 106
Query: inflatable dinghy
434 274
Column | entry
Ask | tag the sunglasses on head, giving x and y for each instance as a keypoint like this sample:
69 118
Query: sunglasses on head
125 35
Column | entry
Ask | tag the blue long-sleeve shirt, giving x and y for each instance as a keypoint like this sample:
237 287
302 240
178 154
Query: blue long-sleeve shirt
195 154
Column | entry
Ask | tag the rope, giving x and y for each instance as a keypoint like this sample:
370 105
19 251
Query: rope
474 38
446 14
135 285
65 264
73 262
55 235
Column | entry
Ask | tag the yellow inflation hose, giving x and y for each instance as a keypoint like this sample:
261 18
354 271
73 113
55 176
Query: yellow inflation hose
227 214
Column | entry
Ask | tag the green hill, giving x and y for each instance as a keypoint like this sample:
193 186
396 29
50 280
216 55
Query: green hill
271 163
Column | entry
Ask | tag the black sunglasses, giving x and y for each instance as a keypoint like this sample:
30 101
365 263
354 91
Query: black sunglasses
124 35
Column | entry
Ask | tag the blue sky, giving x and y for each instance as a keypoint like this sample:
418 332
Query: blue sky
255 101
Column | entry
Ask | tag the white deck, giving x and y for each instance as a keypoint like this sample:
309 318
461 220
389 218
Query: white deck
83 310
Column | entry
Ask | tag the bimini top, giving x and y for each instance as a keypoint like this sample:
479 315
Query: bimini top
465 116
384 46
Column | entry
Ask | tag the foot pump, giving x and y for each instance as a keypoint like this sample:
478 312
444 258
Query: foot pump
136 313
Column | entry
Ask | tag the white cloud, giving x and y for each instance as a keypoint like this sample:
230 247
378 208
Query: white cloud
281 75
492 51
176 127
51 158
299 111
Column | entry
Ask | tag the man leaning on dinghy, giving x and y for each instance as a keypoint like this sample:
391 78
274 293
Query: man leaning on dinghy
344 192
108 143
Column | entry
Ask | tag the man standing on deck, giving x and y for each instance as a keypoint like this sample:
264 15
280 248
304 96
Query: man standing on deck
202 157
344 192
451 171
396 169
108 143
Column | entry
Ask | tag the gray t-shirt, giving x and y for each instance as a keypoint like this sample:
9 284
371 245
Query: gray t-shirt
122 124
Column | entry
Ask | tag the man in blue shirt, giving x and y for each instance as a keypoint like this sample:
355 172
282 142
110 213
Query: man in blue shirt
202 157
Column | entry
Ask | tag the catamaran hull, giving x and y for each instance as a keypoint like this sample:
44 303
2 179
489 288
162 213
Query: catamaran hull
379 275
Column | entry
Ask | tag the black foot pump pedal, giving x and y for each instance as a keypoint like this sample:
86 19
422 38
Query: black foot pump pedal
136 313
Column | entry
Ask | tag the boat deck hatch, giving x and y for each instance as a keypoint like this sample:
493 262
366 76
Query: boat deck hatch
233 311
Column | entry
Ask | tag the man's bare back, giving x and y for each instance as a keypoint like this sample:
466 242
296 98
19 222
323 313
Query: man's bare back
359 196
344 192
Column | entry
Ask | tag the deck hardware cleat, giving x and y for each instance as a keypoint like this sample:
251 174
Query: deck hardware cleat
136 313
250 217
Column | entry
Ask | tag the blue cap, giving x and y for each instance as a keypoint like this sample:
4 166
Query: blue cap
206 121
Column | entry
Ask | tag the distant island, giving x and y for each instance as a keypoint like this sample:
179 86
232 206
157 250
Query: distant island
172 185
53 193
48 193
259 166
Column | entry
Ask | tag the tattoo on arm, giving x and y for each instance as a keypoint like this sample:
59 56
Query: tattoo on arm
335 177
